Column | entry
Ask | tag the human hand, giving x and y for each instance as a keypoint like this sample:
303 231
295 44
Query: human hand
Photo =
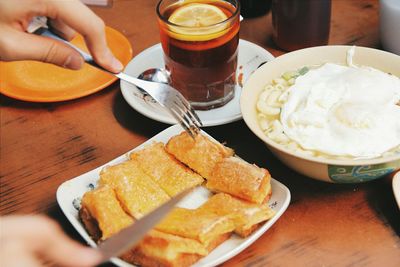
65 17
34 240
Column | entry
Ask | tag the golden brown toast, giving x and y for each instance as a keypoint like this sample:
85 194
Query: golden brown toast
136 191
102 214
162 249
102 217
240 179
171 175
245 215
203 226
200 154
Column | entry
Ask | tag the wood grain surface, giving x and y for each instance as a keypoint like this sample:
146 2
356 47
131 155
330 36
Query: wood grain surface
43 145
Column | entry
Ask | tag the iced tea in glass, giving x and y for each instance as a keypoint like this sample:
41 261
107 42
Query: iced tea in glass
298 24
200 43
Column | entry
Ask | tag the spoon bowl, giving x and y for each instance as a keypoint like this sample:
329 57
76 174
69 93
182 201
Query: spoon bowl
153 75
156 75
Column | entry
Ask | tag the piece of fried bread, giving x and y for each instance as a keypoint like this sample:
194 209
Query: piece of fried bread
200 154
206 227
170 174
136 191
103 217
167 250
246 215
102 214
241 179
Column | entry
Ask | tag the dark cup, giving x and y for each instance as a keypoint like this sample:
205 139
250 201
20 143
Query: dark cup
254 8
300 23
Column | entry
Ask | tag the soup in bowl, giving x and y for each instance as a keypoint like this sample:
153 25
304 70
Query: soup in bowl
331 113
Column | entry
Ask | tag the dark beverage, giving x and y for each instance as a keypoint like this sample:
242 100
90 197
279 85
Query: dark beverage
202 61
254 8
300 23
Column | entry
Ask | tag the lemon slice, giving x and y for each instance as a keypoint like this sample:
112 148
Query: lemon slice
195 22
197 15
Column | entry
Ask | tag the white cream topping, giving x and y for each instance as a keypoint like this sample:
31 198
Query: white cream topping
344 111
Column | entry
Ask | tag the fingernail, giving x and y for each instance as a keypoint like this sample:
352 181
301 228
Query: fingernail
117 65
73 62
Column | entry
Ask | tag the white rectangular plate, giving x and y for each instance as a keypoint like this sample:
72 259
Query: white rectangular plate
70 192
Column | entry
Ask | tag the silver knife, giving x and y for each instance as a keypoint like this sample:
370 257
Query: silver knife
130 236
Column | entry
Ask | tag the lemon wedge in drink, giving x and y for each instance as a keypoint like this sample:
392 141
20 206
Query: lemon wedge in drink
197 15
195 22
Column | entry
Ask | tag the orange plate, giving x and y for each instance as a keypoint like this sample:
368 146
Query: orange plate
43 82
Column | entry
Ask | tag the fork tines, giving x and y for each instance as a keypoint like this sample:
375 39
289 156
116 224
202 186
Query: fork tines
184 113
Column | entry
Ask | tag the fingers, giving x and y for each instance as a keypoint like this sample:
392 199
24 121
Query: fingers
72 13
82 19
14 254
40 236
62 29
17 45
62 250
25 46
18 258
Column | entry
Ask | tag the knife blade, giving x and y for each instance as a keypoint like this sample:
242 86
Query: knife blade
131 235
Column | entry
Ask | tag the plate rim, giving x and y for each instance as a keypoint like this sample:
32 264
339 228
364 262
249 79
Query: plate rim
168 132
148 112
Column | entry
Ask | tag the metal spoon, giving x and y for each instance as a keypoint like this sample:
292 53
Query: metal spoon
154 75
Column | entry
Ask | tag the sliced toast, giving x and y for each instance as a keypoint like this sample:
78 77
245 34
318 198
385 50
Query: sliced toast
246 216
166 250
136 191
206 227
240 179
102 214
170 174
200 154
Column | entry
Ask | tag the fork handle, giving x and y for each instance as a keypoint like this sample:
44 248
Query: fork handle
86 57
89 59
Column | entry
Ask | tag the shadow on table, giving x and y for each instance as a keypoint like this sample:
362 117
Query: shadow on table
132 120
381 198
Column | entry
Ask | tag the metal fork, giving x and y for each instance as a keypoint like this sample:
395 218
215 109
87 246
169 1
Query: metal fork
168 97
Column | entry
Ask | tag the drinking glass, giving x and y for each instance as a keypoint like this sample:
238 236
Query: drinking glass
300 23
389 17
254 8
200 44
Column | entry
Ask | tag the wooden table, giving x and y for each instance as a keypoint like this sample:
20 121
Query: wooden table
43 145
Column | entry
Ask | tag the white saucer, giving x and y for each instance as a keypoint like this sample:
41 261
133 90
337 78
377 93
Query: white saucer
249 58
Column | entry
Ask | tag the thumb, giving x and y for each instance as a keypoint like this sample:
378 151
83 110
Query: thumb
25 46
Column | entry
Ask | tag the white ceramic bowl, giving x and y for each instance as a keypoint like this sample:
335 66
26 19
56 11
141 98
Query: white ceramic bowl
330 170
